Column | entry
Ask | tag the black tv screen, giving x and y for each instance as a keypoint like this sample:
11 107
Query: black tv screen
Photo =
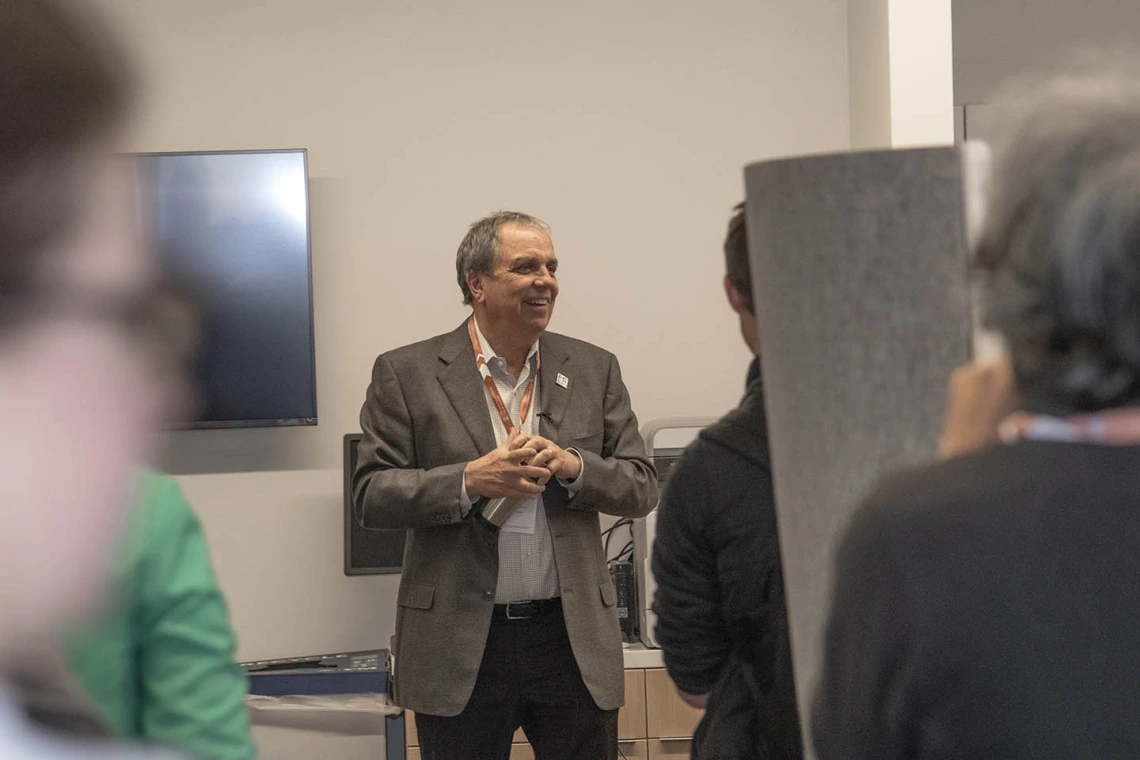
235 226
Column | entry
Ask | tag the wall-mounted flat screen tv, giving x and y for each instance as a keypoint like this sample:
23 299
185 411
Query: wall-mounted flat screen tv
234 226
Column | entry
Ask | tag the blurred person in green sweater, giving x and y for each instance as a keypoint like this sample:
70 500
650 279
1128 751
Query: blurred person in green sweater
157 663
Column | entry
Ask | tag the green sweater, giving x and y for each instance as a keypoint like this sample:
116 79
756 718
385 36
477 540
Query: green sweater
158 664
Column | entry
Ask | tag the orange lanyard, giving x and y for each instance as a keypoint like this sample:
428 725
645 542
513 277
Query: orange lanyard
528 394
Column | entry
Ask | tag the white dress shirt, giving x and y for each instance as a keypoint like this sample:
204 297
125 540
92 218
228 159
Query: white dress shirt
527 570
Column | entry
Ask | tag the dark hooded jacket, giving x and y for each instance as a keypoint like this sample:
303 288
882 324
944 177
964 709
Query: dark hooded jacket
721 617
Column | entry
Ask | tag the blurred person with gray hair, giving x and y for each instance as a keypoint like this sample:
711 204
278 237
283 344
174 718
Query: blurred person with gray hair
497 446
987 605
84 381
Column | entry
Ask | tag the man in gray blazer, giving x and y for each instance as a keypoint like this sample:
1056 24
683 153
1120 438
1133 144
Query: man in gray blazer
499 628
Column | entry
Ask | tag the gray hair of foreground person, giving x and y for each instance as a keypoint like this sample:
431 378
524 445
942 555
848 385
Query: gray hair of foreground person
1061 240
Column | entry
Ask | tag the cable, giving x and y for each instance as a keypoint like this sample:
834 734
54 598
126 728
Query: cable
609 532
627 549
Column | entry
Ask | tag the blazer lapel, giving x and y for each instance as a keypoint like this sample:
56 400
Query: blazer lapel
461 382
553 396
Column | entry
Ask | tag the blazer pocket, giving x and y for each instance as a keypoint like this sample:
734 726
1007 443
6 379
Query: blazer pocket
590 443
609 595
417 596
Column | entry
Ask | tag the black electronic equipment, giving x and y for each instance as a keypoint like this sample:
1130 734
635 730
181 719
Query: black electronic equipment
625 584
367 551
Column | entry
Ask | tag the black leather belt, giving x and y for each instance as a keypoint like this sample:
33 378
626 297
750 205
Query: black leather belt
527 610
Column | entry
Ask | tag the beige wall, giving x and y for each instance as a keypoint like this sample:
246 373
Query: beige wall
869 63
624 124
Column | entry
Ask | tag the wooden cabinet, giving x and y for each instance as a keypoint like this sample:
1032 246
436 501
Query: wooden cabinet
631 717
412 738
654 724
669 749
633 749
667 715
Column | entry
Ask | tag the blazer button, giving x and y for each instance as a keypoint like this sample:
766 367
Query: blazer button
488 595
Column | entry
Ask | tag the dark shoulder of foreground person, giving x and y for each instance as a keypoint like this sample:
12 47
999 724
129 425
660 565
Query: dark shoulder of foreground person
947 502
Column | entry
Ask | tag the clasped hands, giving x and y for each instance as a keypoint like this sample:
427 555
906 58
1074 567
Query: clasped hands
520 468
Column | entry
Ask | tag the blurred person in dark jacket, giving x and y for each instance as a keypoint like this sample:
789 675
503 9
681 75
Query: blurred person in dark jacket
986 606
721 616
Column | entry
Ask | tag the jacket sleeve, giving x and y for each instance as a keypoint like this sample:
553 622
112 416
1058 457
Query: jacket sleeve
192 694
690 625
621 481
389 490
861 710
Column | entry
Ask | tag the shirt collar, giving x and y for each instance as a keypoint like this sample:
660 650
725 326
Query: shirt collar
489 353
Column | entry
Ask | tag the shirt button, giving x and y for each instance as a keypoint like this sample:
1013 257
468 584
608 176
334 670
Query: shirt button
488 595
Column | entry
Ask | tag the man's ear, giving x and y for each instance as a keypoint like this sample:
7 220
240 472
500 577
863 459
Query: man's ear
475 285
735 300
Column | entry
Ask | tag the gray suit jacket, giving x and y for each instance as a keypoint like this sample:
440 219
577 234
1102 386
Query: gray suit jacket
424 419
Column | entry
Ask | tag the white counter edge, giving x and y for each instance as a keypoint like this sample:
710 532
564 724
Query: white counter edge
638 656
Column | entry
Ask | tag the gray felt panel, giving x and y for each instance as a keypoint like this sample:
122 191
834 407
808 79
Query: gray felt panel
860 277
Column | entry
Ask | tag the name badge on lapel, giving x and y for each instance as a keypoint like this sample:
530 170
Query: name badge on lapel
562 380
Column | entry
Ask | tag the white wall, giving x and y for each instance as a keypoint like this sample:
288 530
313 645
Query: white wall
900 57
625 125
922 73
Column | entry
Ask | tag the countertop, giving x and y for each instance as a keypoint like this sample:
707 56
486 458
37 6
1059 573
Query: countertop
640 656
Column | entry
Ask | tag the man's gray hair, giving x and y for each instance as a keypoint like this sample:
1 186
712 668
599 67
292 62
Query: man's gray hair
1062 240
481 244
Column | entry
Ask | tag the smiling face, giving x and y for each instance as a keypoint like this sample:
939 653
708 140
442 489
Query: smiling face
517 298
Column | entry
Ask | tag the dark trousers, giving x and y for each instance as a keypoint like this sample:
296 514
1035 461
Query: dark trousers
528 677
